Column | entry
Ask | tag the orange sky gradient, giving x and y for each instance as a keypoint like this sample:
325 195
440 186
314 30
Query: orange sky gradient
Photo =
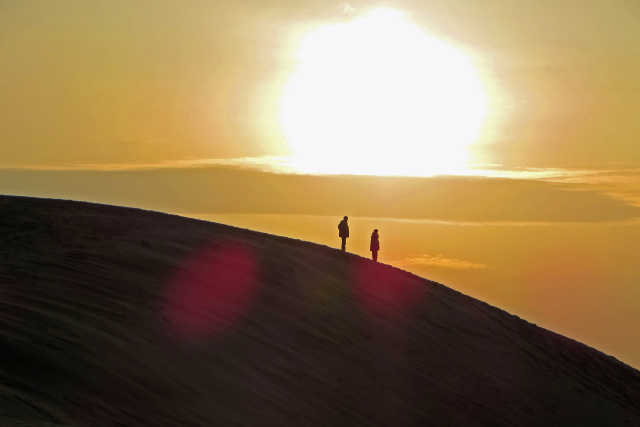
177 107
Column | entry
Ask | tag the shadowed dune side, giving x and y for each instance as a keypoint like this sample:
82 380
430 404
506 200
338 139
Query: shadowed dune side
115 316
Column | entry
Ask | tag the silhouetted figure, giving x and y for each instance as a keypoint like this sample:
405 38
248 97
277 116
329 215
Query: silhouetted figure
374 246
343 232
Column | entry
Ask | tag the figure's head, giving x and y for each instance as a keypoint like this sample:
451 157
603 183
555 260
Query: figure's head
346 217
375 231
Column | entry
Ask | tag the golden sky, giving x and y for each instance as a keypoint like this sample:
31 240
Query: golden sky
512 125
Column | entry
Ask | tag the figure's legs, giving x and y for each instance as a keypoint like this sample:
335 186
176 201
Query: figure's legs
344 244
374 255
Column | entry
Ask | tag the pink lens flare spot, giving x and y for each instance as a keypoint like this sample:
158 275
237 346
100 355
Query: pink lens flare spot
211 291
385 292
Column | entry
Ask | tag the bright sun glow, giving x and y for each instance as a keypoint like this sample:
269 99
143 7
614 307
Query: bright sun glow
378 96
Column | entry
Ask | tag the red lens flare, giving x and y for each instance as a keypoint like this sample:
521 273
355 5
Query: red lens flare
212 291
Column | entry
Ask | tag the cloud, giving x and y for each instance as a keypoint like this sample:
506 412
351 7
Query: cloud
228 188
438 261
274 164
622 183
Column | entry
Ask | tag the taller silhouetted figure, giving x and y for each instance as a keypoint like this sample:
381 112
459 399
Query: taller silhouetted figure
343 232
374 246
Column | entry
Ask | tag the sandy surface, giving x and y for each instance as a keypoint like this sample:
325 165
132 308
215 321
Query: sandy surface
113 316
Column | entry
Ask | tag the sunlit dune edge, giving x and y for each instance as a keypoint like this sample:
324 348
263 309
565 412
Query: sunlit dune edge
116 316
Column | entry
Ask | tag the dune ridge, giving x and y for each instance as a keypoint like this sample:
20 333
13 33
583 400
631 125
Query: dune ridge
114 316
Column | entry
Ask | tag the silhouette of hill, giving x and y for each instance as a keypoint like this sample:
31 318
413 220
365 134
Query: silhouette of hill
115 316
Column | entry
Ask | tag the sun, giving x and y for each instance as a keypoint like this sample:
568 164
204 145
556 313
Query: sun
377 95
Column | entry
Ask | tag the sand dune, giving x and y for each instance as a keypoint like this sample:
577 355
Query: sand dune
113 316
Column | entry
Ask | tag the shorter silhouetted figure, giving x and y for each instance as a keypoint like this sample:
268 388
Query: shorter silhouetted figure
374 246
343 232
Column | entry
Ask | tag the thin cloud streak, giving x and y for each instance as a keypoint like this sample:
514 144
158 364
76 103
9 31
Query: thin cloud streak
437 261
272 164
292 165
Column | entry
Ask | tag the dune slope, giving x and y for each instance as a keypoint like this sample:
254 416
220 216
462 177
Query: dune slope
115 316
